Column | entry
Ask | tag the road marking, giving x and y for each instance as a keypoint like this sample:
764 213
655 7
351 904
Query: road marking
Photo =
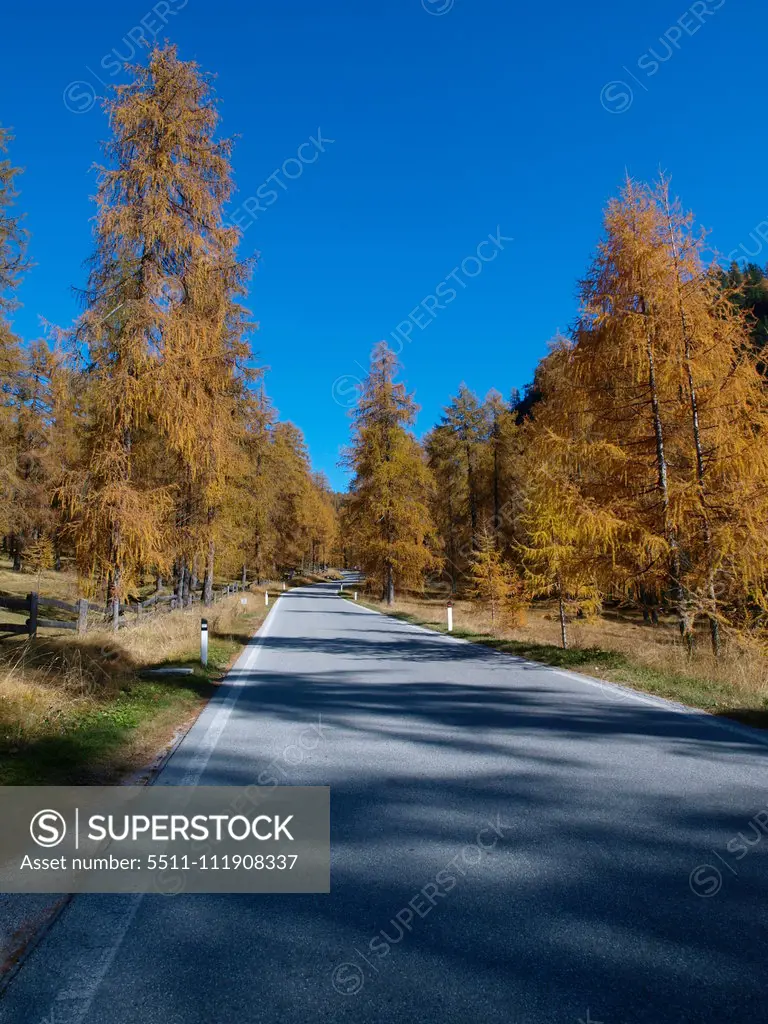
72 1004
95 971
213 733
662 703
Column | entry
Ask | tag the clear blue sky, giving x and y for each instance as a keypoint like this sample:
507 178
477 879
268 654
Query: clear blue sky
450 119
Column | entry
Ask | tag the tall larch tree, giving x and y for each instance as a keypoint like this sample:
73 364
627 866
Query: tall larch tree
723 444
448 500
465 418
657 432
572 526
387 513
13 263
501 463
160 306
626 368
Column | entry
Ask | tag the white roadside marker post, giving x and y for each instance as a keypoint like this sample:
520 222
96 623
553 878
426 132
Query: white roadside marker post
204 642
283 584
450 616
266 598
355 595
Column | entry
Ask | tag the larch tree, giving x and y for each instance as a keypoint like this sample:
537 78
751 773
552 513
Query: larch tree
448 500
495 584
387 513
162 354
261 487
501 464
322 520
204 372
665 365
648 449
151 451
625 369
291 496
465 418
572 527
13 263
723 445
40 456
246 508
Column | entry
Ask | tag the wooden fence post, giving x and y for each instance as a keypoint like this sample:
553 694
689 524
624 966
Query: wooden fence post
32 620
82 616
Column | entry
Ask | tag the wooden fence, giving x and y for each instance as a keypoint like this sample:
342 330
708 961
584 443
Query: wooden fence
129 614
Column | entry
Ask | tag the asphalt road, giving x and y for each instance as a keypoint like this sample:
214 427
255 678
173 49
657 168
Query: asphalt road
510 843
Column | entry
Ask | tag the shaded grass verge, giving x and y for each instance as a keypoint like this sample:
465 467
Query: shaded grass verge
86 712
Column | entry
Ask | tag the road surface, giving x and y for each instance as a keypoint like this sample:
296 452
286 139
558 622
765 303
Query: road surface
510 843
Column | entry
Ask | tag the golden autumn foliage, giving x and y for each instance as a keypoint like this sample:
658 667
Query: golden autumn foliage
636 467
146 446
142 442
387 515
13 262
494 583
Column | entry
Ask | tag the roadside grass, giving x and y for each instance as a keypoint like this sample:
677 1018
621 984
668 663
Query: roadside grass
83 710
649 659
62 584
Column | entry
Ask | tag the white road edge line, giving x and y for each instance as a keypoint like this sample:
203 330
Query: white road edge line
662 703
213 733
92 974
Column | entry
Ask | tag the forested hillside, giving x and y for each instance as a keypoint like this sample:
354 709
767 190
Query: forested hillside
748 287
141 442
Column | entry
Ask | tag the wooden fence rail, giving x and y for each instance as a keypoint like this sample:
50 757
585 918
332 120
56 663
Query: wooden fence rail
33 602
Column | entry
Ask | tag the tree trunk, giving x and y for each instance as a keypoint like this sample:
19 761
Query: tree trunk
714 625
181 575
677 595
16 552
452 551
244 577
113 585
208 581
115 596
563 623
390 586
496 495
472 501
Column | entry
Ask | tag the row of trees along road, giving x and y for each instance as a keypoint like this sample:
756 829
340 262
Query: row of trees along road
142 441
636 467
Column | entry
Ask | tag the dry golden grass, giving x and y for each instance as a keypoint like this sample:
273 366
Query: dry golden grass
62 585
87 692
